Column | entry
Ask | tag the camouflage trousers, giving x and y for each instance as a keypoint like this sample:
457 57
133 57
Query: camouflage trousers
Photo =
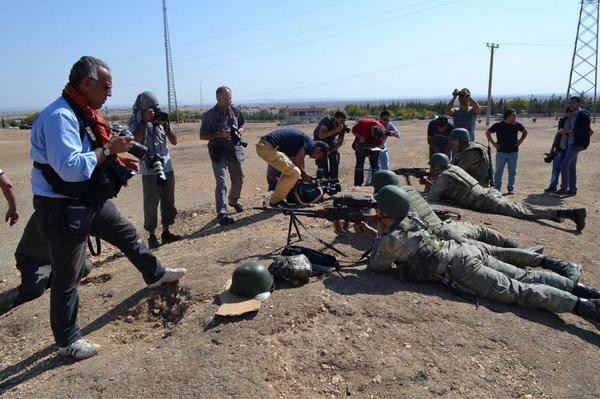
474 271
495 202
461 231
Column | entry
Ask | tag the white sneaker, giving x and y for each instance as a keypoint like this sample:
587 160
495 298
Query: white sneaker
80 349
169 276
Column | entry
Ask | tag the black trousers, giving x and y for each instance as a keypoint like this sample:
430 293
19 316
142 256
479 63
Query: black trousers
359 171
65 225
328 168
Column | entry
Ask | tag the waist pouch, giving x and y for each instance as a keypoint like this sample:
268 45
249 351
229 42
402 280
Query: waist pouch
79 219
101 186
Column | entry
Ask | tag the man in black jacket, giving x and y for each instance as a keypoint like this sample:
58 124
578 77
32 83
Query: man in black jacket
577 129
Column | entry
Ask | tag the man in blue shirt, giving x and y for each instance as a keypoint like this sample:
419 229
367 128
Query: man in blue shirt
74 157
153 132
465 115
284 150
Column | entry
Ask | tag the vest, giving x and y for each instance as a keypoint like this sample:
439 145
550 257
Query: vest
480 170
465 190
421 207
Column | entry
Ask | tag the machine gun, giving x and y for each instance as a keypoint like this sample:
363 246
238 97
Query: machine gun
407 172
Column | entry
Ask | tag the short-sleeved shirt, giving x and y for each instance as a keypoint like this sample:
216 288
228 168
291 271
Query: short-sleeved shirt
290 141
363 129
507 135
439 140
329 123
466 120
216 119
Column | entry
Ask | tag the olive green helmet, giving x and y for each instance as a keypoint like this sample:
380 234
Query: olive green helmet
382 178
251 279
393 201
460 134
439 160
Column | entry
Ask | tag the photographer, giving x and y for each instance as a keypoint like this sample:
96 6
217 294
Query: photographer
75 172
557 152
151 127
223 127
438 136
465 115
390 131
369 136
331 130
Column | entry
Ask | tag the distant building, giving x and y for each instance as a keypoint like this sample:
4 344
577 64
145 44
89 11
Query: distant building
300 115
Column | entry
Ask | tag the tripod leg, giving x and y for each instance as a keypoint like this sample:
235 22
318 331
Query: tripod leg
289 235
297 229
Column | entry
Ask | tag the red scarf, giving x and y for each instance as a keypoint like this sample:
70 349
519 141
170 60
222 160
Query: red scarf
96 121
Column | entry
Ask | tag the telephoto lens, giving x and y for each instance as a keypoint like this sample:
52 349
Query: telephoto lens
137 150
157 165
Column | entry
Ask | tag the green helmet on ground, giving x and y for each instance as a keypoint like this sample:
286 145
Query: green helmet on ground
251 279
382 178
460 134
439 160
393 201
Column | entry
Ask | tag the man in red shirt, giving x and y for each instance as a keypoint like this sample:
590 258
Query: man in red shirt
369 136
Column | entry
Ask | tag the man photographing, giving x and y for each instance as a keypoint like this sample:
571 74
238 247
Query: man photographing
466 114
150 126
76 172
331 130
223 127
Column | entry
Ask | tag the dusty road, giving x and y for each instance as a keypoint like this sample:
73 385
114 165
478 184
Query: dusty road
358 335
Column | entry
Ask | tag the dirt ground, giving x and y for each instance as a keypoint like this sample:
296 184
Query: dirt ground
357 334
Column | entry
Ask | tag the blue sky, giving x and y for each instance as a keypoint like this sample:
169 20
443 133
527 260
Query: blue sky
273 49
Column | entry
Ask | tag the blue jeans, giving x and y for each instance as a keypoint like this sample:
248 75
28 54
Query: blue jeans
384 162
502 159
556 161
568 169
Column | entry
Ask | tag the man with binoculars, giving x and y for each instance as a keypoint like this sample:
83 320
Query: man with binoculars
465 115
151 127
223 127
76 172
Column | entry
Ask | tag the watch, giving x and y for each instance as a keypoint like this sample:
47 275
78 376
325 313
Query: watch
106 152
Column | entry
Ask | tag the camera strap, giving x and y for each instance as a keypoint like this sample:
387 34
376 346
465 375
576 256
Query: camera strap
91 246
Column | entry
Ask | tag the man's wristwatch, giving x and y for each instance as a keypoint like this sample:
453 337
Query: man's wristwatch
106 152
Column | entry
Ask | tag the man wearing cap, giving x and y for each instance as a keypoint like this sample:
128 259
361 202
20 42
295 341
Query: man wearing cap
453 184
331 130
470 156
438 136
285 150
152 132
465 115
369 137
403 240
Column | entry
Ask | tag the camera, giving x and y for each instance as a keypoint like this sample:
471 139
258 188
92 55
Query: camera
235 133
549 156
345 129
137 150
159 115
156 163
329 186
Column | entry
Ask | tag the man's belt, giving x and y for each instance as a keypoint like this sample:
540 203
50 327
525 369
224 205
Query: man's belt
52 200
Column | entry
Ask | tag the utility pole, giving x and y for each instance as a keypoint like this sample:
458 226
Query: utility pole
584 65
172 97
493 47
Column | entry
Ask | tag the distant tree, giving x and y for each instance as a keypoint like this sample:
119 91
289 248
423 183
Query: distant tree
518 104
29 119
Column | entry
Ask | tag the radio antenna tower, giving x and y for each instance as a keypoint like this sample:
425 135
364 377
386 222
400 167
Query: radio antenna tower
170 79
584 72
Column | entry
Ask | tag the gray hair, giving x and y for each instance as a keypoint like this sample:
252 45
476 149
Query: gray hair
86 67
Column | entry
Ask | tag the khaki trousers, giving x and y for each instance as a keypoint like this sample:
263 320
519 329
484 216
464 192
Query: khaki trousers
290 173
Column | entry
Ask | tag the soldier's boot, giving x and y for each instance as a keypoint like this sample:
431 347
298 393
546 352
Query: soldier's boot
570 270
577 215
588 308
508 243
586 291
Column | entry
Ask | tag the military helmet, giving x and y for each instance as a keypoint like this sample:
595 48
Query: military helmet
439 160
306 193
393 201
460 134
382 178
251 279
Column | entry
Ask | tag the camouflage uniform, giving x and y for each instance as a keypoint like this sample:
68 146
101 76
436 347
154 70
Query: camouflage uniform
473 159
420 255
489 241
457 186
